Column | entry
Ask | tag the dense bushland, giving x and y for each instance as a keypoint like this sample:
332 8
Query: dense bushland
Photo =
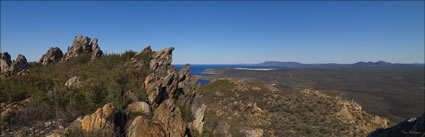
105 80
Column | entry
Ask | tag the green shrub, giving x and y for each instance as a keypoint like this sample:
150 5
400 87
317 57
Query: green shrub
217 85
186 112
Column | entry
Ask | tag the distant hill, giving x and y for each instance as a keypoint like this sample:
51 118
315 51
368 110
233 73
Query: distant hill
357 66
278 63
372 63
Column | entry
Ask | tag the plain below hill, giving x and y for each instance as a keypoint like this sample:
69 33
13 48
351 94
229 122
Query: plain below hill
394 91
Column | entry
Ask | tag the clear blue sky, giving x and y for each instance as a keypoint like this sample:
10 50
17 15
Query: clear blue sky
224 32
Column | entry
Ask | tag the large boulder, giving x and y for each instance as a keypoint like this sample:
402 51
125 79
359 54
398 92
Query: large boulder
19 64
81 45
413 127
100 121
166 122
5 62
142 126
140 107
52 56
169 117
74 82
258 132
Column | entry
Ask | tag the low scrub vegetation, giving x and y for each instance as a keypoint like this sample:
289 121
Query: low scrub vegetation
105 80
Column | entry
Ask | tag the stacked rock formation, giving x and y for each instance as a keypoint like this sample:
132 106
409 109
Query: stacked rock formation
167 90
82 45
5 62
52 56
100 121
19 66
166 82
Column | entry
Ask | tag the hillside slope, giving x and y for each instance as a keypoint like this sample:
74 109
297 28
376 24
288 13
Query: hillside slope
85 92
236 108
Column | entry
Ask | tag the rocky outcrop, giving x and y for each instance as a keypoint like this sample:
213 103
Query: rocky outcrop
165 82
413 127
140 63
258 132
19 64
18 67
100 121
96 49
9 110
145 51
169 117
198 111
142 126
81 45
161 60
74 82
259 109
166 122
140 107
52 56
188 86
5 62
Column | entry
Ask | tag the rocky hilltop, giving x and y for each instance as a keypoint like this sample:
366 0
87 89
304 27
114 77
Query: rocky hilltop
254 109
141 94
131 94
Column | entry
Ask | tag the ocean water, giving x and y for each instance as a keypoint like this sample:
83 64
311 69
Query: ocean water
197 69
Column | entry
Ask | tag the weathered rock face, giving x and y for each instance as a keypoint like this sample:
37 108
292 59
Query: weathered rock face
169 117
140 63
258 132
413 127
188 86
19 64
165 82
166 122
101 120
162 59
52 56
82 45
140 107
142 126
198 110
74 82
165 87
5 62
160 86
9 110
96 49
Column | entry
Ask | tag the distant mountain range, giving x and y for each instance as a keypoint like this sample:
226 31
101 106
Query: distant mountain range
358 65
